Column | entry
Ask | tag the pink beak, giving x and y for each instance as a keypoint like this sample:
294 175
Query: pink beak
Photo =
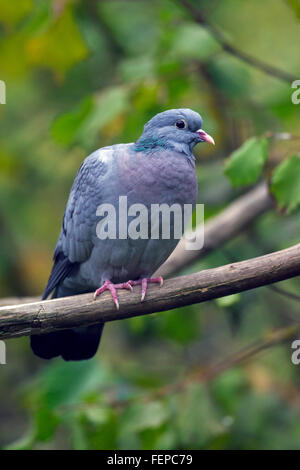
205 137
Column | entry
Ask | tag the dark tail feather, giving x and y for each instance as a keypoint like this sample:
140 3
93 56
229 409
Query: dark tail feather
82 343
73 345
47 346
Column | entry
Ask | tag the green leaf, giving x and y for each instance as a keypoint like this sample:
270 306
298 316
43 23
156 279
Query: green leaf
97 415
59 47
11 13
179 325
68 383
108 105
66 126
228 301
140 416
194 42
46 422
84 122
99 435
286 183
295 5
78 436
111 103
137 68
226 390
245 165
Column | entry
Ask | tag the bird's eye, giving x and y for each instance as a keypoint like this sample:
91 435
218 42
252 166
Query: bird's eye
181 124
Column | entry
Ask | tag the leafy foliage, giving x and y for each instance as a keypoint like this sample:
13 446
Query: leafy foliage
295 6
59 46
245 164
286 183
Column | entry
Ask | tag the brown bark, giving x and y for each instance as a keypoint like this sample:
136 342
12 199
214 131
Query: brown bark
68 312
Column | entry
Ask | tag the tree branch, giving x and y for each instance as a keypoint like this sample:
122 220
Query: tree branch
69 312
227 47
215 368
200 374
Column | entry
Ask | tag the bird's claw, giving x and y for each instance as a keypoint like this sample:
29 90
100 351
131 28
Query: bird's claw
144 282
108 285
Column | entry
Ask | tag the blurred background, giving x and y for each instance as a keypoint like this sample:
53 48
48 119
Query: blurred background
84 74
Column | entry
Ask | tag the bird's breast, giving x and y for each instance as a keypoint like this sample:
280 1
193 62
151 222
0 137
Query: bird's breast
159 178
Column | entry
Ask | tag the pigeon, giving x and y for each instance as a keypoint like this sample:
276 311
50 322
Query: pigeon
159 168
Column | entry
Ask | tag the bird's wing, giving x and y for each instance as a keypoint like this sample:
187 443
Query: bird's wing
75 243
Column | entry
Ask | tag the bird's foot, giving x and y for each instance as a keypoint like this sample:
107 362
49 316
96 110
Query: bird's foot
144 282
108 285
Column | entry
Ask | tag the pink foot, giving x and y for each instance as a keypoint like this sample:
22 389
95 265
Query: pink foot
159 280
108 285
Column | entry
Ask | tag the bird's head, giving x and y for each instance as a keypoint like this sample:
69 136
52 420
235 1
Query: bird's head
180 129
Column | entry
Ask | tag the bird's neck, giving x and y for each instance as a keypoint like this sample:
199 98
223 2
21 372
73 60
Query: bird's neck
148 143
151 143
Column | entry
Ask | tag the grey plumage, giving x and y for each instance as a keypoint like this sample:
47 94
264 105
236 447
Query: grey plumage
158 168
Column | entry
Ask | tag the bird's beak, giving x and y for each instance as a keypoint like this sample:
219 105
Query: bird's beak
205 137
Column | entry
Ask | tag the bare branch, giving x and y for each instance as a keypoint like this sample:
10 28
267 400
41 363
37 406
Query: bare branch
226 46
272 338
69 312
202 374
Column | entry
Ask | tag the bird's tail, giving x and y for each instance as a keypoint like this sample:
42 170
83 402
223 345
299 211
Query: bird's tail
73 345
